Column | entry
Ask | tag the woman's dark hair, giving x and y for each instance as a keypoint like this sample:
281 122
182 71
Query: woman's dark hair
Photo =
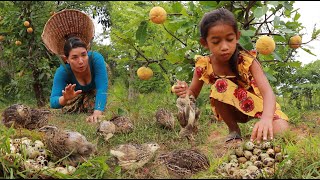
221 16
71 43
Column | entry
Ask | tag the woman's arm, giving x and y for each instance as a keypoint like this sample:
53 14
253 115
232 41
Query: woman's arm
263 128
59 83
101 82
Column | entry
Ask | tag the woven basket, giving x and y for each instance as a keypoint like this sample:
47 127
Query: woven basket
63 24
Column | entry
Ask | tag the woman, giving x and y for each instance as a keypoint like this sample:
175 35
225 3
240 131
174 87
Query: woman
83 81
80 83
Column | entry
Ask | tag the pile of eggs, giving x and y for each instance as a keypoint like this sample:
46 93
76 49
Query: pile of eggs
253 161
33 157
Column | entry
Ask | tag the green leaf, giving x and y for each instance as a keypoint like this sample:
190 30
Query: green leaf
121 112
315 33
175 57
297 16
141 34
274 3
296 64
276 21
260 11
177 7
270 77
208 3
308 51
247 32
245 41
276 55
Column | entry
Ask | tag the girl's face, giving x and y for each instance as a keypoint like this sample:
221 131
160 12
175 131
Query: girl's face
221 41
78 59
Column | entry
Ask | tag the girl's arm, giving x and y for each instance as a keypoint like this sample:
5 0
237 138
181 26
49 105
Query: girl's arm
263 128
195 87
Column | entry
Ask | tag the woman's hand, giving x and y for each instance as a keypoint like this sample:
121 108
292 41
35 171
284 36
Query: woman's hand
180 89
262 129
68 93
94 117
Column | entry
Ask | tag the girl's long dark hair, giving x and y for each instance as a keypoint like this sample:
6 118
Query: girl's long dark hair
224 16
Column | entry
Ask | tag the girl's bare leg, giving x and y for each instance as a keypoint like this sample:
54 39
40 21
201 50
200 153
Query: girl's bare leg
230 115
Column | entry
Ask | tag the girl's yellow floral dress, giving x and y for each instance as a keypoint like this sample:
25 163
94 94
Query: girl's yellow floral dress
240 93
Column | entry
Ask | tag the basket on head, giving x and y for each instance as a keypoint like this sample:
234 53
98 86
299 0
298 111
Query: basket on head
66 23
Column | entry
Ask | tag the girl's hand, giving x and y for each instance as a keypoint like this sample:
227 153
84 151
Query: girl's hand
262 129
68 93
94 118
181 89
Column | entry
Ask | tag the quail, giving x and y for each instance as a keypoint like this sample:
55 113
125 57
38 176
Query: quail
106 129
185 162
165 118
39 118
25 117
17 114
133 156
64 142
188 115
118 124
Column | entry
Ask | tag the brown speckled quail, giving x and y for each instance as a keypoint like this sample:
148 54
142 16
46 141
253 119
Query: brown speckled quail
185 162
123 124
25 117
133 156
188 115
63 142
39 118
118 124
17 114
165 118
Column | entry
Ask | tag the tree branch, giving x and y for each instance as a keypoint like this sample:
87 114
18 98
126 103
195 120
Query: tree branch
174 35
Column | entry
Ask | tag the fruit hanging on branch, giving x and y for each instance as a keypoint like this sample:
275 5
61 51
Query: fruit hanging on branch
265 45
144 73
295 42
158 15
30 30
2 38
26 23
18 43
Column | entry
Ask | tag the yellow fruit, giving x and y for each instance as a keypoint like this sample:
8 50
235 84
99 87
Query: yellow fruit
172 88
265 45
158 15
26 24
295 41
18 43
30 30
144 73
1 38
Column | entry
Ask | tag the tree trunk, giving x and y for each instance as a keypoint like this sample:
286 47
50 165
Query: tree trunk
132 93
38 89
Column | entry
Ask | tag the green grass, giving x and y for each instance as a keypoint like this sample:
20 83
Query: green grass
302 147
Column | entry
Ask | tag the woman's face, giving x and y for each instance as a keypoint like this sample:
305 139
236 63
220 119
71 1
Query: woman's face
221 41
78 59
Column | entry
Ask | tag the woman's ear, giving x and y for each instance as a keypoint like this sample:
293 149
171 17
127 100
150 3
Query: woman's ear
64 58
203 42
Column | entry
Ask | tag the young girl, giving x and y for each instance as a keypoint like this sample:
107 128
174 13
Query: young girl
239 88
